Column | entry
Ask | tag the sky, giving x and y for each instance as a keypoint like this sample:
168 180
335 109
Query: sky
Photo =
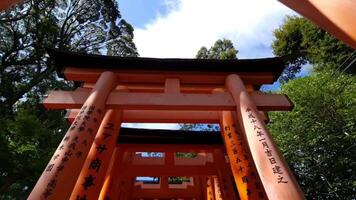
179 28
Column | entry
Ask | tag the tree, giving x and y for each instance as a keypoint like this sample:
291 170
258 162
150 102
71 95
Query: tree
29 134
303 42
222 49
318 136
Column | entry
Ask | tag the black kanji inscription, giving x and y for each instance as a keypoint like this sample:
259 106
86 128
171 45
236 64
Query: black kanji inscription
55 157
244 179
277 170
95 164
68 153
234 151
49 168
109 126
238 160
52 183
101 148
65 159
259 133
255 127
78 154
47 193
272 160
72 145
81 128
66 138
84 197
87 117
88 181
280 179
265 145
60 167
268 152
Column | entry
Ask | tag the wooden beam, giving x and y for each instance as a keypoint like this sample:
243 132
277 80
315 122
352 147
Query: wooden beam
167 170
90 75
335 16
165 116
185 148
160 116
161 101
166 194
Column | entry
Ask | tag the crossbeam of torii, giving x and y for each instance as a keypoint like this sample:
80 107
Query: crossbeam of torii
335 16
118 89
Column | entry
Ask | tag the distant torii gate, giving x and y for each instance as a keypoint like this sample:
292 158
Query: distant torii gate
90 163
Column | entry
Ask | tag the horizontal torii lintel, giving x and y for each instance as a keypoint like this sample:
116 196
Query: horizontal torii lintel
164 170
161 101
166 116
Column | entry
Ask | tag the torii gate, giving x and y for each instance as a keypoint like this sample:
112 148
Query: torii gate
89 163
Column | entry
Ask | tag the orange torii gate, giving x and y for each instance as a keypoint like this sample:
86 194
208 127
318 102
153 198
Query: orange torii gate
91 163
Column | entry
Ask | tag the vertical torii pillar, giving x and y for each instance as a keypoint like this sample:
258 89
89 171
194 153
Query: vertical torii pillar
59 177
92 176
276 177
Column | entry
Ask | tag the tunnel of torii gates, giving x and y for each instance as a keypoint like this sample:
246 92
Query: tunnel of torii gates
97 159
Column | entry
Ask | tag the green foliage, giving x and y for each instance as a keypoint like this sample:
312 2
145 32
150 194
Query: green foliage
318 137
222 49
304 42
28 133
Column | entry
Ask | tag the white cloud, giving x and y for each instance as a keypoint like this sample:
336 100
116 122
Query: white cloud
191 24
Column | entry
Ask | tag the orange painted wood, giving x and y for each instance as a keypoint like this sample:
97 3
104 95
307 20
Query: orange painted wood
277 179
108 176
217 189
164 170
335 16
210 188
246 177
166 116
59 177
171 193
90 75
160 101
98 159
159 87
184 148
112 191
224 175
5 4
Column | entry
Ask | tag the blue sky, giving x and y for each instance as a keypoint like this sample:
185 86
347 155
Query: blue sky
178 28
141 12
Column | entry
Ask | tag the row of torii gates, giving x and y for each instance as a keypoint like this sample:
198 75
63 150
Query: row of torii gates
97 159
